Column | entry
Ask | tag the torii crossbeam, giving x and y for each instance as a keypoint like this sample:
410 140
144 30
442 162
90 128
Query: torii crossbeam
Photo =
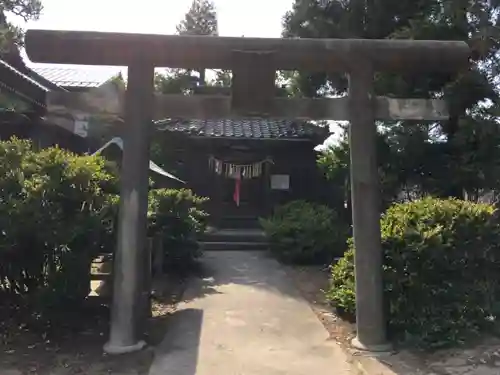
254 62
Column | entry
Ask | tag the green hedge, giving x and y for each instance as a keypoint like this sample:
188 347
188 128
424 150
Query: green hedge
305 233
178 216
58 211
441 271
55 218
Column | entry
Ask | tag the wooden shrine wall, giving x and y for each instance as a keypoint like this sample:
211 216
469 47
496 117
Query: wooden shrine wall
188 160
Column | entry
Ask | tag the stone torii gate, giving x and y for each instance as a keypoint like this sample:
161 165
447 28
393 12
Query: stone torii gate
254 62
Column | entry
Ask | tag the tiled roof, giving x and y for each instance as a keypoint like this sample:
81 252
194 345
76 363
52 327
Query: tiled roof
255 128
21 84
3 64
74 76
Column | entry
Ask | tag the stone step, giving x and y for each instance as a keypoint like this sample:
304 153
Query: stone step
102 258
235 235
239 222
101 276
233 246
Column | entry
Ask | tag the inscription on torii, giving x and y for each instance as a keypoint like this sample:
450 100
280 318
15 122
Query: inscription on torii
254 62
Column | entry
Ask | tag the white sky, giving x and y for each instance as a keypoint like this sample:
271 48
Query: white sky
250 18
256 18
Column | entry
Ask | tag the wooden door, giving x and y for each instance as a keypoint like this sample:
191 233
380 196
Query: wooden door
251 196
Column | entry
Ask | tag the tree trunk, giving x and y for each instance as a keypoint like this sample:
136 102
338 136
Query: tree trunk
454 189
202 78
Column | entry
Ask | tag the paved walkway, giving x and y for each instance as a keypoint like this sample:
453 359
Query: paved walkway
246 318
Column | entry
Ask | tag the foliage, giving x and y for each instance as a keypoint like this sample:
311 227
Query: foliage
300 232
201 19
441 270
26 9
178 217
409 167
175 81
440 158
475 21
55 218
223 78
9 102
412 164
58 211
119 82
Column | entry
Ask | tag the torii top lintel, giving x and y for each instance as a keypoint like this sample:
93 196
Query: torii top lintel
212 52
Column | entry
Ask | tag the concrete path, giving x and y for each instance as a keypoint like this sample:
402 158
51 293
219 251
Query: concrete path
246 318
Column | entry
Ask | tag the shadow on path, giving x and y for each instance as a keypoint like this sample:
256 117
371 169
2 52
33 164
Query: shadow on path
245 316
220 268
178 352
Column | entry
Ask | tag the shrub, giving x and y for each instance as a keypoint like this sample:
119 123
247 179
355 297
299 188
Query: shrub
177 215
58 211
441 271
54 216
304 233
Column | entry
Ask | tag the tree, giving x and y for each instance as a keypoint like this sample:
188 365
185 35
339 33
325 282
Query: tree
175 81
453 142
222 78
11 37
26 9
201 19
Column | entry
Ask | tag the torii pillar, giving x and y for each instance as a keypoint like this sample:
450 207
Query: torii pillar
254 62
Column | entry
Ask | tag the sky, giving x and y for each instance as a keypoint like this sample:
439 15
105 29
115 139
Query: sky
250 18
255 18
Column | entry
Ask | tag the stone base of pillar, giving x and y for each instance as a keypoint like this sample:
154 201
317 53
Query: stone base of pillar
375 349
111 348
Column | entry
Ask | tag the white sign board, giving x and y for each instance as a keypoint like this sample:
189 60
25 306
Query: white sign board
81 128
280 182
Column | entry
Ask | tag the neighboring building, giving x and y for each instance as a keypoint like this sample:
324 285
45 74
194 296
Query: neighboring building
246 167
113 150
80 79
23 104
23 110
24 114
74 79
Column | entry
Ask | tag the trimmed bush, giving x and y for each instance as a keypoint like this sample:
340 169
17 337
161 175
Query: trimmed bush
441 271
58 211
305 233
55 217
177 215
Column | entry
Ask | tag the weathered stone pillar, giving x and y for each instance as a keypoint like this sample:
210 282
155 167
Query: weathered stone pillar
158 254
132 221
146 285
365 193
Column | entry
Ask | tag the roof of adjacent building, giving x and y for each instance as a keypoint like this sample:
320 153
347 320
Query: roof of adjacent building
117 141
22 85
11 69
74 76
254 128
